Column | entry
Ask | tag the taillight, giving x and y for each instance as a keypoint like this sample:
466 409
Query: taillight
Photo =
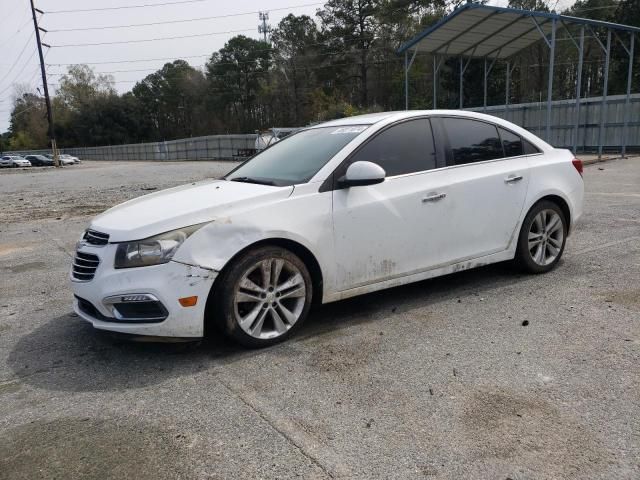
578 164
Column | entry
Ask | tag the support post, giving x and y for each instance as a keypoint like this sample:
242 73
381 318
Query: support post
578 91
484 85
605 87
506 90
50 130
406 80
627 106
552 53
461 81
435 81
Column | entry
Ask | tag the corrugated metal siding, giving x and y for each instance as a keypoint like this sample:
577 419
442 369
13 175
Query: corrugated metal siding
532 116
211 147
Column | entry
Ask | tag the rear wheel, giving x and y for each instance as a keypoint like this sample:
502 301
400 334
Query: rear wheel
263 297
542 238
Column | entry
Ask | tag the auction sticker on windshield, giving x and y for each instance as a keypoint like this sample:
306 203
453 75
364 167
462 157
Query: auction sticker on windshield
354 129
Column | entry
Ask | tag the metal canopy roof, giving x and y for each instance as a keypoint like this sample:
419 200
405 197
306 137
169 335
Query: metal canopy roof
475 30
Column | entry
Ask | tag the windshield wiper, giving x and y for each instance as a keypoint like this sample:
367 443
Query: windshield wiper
253 180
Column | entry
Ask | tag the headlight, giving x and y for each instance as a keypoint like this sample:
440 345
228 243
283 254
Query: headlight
152 250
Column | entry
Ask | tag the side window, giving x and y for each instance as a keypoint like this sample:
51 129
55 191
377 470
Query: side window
472 141
511 142
401 149
529 148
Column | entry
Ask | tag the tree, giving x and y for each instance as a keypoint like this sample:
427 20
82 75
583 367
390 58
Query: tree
80 86
295 43
28 124
171 100
350 25
236 75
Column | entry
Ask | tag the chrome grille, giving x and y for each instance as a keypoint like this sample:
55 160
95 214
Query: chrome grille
84 266
96 238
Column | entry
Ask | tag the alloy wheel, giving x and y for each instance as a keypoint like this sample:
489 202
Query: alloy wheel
546 236
269 298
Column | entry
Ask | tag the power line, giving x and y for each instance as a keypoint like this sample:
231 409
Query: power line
19 57
19 73
180 21
16 32
345 40
149 69
266 72
151 39
127 61
52 12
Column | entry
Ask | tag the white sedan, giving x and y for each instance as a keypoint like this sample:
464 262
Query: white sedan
336 210
14 161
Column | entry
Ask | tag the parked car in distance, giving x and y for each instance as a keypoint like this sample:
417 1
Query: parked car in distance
64 159
39 160
70 157
332 211
14 161
266 138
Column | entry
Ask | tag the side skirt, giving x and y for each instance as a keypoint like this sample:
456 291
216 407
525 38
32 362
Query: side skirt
416 277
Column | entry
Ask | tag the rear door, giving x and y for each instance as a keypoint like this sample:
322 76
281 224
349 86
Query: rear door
485 190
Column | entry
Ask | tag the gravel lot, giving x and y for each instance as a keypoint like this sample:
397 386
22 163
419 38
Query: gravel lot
482 374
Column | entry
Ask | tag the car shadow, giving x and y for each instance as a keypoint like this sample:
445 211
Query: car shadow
377 306
68 354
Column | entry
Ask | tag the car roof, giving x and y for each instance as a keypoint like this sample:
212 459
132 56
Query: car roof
390 117
372 118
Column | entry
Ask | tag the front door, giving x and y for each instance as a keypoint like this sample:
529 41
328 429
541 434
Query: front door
379 230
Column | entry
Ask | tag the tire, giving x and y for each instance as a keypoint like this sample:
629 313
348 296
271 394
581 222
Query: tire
542 238
256 312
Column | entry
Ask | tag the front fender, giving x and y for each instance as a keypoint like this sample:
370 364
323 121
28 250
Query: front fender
304 219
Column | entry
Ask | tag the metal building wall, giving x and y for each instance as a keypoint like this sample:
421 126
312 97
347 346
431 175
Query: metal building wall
210 147
532 116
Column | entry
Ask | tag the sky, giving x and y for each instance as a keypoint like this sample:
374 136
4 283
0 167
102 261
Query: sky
19 63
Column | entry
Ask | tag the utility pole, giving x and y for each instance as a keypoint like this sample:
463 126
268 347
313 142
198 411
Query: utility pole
264 29
50 132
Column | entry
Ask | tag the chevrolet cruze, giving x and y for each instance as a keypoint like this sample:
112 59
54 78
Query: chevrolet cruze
336 210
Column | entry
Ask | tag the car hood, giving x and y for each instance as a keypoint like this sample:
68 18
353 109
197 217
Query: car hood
183 206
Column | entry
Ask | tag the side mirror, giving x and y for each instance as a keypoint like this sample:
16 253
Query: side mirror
362 173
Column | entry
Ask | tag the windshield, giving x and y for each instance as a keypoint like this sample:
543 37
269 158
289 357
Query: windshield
296 158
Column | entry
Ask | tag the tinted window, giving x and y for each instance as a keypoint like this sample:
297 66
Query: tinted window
511 142
401 149
529 148
472 141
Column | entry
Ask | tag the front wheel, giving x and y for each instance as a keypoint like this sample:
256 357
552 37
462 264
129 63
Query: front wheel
542 238
263 297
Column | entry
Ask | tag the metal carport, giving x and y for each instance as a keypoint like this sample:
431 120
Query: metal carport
475 31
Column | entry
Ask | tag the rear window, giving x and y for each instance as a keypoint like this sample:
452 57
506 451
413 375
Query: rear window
472 141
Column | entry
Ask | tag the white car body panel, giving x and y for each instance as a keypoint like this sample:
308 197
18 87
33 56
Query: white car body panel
362 238
444 231
206 201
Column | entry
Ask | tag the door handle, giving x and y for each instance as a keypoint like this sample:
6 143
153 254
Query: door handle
513 179
434 197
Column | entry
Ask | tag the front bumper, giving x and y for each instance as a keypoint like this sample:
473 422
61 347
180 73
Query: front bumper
167 283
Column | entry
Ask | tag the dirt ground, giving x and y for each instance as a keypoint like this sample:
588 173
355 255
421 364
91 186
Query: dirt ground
484 374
